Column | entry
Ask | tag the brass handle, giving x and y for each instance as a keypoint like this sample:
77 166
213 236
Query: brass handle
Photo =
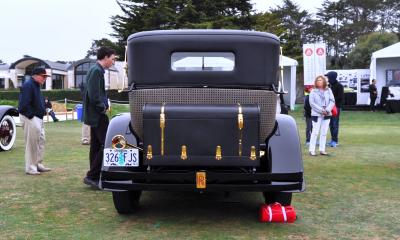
240 118
162 126
253 153
240 126
218 153
183 153
149 154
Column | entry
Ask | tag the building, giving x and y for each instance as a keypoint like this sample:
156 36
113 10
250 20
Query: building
22 69
77 71
63 75
4 74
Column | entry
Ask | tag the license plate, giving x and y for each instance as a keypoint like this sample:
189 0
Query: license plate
201 180
121 157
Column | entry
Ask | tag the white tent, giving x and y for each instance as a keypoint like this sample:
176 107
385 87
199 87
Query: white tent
382 60
289 80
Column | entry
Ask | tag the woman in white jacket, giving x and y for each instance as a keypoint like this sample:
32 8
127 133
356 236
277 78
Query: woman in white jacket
322 102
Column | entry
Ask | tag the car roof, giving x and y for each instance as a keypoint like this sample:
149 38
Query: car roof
255 57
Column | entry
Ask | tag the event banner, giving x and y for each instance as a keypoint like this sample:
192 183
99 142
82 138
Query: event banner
314 60
355 83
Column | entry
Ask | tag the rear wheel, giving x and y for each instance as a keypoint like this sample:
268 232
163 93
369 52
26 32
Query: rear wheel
126 202
283 198
8 133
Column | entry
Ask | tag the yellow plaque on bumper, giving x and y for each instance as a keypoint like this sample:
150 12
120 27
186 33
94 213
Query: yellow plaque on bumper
201 180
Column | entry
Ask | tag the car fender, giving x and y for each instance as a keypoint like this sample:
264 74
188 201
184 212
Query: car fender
119 125
8 110
284 147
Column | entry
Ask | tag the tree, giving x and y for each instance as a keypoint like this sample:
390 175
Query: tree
107 43
389 16
292 30
344 21
269 22
144 15
360 56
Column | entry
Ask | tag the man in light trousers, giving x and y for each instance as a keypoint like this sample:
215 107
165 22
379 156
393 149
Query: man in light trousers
32 109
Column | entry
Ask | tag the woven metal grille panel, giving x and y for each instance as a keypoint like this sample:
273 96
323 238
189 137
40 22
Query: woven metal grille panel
265 99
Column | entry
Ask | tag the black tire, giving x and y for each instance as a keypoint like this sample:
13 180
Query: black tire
284 198
126 202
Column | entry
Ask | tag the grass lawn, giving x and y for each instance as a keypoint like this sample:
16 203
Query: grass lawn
352 194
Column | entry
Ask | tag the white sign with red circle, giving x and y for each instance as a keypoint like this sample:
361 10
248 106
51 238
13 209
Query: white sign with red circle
320 51
308 52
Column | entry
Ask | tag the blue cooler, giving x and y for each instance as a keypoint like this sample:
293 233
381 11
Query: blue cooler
79 111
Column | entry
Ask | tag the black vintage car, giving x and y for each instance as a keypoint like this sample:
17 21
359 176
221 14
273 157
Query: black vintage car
203 118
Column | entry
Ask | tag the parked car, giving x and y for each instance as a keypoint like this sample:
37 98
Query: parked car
8 130
202 118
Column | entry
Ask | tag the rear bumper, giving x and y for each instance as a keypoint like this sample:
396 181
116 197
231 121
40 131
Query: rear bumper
216 181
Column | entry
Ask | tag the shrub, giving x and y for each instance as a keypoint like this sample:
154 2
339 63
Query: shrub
55 95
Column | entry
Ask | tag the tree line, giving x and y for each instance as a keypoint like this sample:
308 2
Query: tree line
352 29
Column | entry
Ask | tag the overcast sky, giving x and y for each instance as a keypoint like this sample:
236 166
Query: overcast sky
64 29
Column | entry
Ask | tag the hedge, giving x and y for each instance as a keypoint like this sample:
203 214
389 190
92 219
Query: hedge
54 95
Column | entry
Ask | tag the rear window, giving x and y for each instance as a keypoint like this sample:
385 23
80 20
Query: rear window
202 61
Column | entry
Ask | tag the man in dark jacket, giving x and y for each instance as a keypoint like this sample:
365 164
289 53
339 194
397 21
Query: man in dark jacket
95 105
373 94
31 109
338 93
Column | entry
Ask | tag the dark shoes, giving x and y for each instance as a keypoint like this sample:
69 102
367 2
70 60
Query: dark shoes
56 120
42 168
93 183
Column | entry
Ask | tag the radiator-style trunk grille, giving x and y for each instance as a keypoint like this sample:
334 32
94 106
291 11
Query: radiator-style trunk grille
265 99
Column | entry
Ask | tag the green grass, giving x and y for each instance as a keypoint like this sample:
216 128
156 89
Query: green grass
352 194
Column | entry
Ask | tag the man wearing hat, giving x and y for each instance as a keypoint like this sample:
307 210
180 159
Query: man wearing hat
32 109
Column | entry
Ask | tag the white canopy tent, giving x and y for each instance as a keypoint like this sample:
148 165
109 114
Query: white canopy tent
289 80
382 60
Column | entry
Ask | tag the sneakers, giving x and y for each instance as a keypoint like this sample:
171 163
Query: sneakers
333 144
313 154
93 183
33 173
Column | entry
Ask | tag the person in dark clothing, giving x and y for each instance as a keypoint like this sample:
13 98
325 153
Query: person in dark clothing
373 94
338 93
49 109
95 105
31 111
307 115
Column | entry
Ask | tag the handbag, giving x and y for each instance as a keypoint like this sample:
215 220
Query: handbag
334 111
